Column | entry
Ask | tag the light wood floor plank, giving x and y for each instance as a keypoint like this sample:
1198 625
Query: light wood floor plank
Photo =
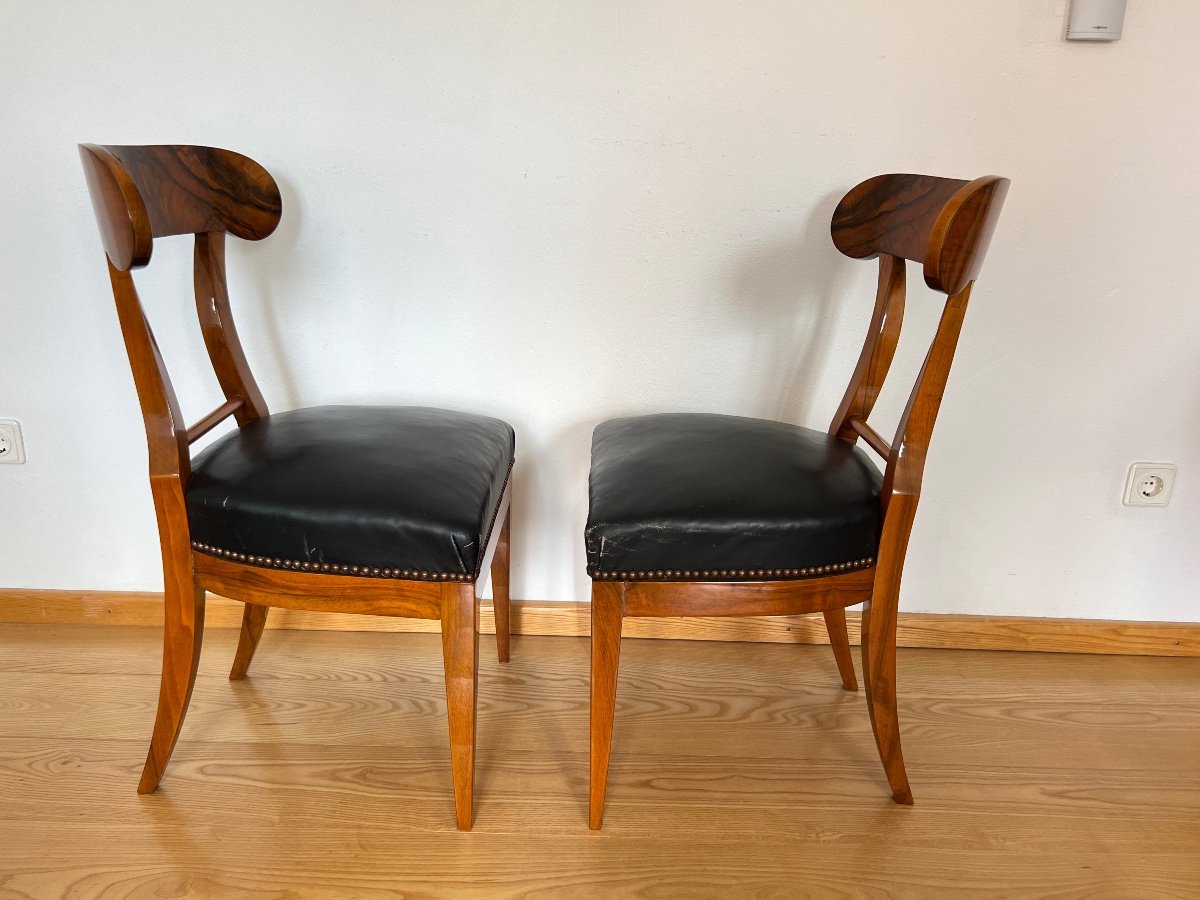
1046 809
739 770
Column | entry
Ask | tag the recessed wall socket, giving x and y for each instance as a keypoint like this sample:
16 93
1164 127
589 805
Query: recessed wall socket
1149 484
12 448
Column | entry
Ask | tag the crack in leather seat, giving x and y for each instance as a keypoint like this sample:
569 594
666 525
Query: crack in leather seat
719 497
406 492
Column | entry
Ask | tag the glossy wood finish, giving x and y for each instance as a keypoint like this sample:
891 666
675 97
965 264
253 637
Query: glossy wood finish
460 655
183 634
166 432
213 419
891 214
946 225
143 193
839 640
879 348
254 620
873 438
747 598
608 609
308 590
500 594
943 223
220 334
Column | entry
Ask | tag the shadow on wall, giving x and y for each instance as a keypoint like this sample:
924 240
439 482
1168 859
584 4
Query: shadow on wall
783 295
271 268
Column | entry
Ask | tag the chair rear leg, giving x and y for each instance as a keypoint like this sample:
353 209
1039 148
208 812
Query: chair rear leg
460 652
254 619
607 610
879 673
500 598
839 640
183 633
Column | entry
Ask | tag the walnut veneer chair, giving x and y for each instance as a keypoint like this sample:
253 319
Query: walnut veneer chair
709 515
391 511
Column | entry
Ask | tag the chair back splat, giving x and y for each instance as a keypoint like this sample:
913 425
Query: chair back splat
703 515
141 193
946 225
340 509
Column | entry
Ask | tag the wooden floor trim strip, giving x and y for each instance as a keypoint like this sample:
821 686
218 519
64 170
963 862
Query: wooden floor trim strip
571 619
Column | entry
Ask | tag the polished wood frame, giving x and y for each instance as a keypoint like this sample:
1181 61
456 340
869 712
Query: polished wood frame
141 193
945 224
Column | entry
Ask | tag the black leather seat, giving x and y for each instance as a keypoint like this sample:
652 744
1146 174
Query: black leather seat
686 496
401 492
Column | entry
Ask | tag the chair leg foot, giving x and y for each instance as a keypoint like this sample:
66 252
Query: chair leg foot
879 673
460 652
500 597
254 619
183 632
839 640
607 609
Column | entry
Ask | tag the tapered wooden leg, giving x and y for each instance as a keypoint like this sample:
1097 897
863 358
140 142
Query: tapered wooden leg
879 673
183 632
839 640
254 619
460 652
500 569
608 601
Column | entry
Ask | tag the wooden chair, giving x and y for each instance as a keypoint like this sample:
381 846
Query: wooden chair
392 511
705 515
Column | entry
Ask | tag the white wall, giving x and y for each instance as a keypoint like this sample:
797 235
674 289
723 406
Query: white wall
559 212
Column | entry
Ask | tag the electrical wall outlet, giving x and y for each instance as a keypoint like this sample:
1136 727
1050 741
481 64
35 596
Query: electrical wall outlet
12 448
1149 484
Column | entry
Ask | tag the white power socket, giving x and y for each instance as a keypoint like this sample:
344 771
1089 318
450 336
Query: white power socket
1149 484
12 448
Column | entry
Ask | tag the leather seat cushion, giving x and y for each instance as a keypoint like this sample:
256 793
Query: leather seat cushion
408 491
710 497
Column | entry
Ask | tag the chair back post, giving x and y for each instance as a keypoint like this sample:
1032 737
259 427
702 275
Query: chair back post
906 464
166 432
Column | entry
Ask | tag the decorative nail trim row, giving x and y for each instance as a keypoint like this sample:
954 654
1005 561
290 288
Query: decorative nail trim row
731 574
272 562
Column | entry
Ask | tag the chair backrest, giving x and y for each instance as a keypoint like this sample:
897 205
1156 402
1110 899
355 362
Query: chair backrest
945 225
142 193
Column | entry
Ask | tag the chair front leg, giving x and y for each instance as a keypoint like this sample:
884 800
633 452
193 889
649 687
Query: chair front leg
254 620
500 598
839 640
183 633
608 607
460 652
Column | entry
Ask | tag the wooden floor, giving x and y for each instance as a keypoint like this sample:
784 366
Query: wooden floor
739 770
